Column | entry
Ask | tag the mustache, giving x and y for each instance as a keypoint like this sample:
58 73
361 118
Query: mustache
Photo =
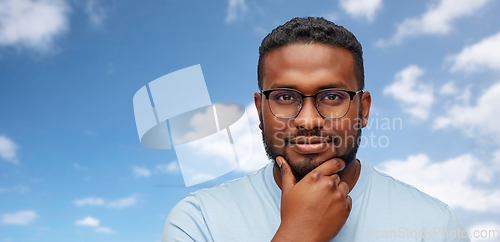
287 139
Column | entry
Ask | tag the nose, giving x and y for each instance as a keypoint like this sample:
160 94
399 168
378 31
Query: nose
309 117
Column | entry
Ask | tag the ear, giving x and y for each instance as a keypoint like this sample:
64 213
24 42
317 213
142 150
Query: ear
366 102
257 100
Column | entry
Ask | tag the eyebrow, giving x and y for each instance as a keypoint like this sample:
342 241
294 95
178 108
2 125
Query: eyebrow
340 85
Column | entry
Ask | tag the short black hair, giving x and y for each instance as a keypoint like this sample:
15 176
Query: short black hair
312 30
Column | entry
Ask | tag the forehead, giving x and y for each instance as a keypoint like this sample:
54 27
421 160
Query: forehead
309 68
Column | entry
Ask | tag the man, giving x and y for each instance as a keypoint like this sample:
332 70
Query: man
312 107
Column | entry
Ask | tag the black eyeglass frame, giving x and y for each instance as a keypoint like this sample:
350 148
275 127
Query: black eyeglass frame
351 96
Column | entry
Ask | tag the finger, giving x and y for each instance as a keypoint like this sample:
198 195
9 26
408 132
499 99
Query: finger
287 178
344 189
336 179
330 167
332 182
349 202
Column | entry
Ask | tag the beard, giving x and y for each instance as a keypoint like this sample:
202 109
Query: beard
301 168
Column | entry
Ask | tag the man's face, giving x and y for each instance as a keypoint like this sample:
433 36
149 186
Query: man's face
308 140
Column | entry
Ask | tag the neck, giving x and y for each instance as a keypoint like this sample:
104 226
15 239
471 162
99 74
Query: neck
349 175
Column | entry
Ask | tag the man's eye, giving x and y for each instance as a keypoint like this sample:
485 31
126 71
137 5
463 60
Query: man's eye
286 97
331 97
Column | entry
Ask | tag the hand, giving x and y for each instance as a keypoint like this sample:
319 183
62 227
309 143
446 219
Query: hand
317 207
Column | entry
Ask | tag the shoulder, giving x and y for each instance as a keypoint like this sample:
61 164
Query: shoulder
210 213
404 206
225 194
399 201
403 190
236 189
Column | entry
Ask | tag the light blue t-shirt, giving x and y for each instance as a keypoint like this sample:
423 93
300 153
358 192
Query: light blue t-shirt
248 209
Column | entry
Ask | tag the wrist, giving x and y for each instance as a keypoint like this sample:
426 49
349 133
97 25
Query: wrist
291 234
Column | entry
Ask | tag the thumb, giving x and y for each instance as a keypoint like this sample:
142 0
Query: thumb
287 178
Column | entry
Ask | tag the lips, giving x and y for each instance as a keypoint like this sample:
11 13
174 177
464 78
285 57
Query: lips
309 145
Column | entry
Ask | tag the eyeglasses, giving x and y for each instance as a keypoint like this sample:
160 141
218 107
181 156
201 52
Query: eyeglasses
331 103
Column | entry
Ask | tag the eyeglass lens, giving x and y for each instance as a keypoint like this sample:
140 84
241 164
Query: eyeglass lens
288 103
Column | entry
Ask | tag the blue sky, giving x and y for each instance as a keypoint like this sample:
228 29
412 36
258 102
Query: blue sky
71 164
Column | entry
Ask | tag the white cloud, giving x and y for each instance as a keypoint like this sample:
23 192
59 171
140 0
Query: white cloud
95 12
361 8
333 16
93 222
19 218
18 189
104 230
196 177
172 167
259 158
478 120
449 88
141 172
79 167
88 221
215 148
436 21
415 97
455 94
235 10
261 31
479 56
120 203
206 158
496 160
487 231
201 124
89 201
90 133
8 150
451 181
32 24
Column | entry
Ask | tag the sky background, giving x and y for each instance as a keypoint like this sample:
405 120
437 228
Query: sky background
71 164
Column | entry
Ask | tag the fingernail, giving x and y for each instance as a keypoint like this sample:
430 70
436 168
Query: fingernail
279 161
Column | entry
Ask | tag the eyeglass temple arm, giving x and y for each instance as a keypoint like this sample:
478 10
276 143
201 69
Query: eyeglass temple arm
352 94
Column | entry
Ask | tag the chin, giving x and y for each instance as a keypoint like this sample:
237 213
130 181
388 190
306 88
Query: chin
301 164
